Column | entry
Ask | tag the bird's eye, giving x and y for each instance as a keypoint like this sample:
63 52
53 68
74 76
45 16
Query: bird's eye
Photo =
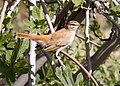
72 24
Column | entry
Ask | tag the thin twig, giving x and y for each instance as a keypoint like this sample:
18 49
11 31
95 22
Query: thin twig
52 63
102 53
52 31
115 2
63 12
97 4
105 39
47 16
111 20
81 66
97 45
14 4
56 14
3 14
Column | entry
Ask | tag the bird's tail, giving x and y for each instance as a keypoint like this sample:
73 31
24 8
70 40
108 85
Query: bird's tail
43 38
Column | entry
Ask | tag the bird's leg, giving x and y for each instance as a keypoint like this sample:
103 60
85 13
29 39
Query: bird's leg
61 62
59 58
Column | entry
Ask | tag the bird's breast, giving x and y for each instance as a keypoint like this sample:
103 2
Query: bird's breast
72 36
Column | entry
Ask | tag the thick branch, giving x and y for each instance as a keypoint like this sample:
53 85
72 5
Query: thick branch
101 55
32 53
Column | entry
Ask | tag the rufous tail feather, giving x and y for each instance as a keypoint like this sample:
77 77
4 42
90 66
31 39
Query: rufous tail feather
44 38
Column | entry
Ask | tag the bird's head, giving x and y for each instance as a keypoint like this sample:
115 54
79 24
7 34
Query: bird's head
72 25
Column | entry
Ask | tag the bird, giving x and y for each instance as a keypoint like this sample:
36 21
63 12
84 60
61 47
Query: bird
56 41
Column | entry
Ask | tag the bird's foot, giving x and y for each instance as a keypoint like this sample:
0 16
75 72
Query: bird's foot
61 62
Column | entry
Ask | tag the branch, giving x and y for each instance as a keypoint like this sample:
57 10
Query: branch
97 4
3 14
97 45
52 63
111 20
81 66
115 2
63 12
102 54
87 41
79 15
47 16
32 62
104 51
32 59
14 4
2 81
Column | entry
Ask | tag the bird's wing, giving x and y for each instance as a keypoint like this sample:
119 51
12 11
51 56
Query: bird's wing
56 40
61 37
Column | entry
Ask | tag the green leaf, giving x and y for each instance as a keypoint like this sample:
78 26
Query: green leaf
21 67
6 20
21 63
29 23
15 52
8 54
79 81
36 13
77 2
5 37
11 44
68 76
60 76
115 11
22 49
94 25
2 66
11 74
2 48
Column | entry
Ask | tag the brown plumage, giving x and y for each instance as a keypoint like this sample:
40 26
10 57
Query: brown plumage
56 40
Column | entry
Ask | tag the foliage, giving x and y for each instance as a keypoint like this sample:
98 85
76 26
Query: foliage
115 11
78 2
66 77
12 54
14 51
109 75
